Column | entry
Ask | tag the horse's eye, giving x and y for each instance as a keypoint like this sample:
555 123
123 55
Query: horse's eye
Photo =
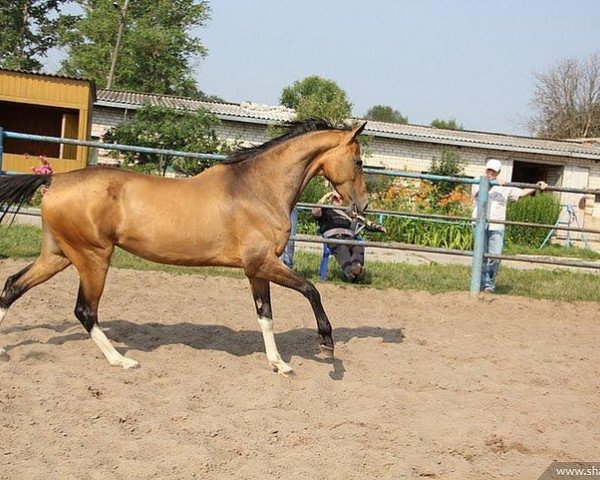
358 163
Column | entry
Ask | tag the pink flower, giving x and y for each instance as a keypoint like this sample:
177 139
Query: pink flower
44 169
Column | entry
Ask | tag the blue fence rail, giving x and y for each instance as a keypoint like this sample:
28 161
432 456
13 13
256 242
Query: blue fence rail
106 146
478 254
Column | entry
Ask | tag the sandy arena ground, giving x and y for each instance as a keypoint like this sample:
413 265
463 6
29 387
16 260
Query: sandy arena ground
424 386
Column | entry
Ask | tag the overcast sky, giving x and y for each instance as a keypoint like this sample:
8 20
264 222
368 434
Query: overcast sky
472 60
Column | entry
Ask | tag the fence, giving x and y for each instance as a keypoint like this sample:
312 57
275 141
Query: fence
478 253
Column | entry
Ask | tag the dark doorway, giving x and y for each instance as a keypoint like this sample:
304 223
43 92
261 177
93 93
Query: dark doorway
529 172
37 120
525 172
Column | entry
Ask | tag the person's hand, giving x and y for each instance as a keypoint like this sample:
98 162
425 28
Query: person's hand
377 227
500 182
542 185
325 198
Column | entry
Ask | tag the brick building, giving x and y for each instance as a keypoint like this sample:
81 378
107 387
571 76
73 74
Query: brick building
573 164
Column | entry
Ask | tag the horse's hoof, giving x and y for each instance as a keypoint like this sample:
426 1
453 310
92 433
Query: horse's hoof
326 351
4 356
129 363
283 369
287 373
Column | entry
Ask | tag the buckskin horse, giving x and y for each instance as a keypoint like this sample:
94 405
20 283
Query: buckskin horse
234 214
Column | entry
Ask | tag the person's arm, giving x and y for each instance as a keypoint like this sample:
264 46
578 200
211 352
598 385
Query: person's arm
326 198
373 226
317 211
541 185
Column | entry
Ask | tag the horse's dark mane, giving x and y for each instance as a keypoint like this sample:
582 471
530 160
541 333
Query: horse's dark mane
295 129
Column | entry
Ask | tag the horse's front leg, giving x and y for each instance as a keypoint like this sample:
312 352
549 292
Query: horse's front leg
275 271
261 291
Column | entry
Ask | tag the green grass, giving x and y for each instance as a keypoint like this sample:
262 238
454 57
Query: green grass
553 251
20 241
123 259
24 242
554 284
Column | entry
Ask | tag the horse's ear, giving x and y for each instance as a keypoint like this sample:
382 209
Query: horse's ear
355 132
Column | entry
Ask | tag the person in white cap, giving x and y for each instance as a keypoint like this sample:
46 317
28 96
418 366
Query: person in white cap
494 234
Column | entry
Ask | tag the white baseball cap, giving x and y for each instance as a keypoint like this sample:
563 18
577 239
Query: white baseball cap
494 165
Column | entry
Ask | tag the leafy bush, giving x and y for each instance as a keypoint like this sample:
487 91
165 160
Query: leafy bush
451 124
542 208
315 96
167 128
430 233
378 184
407 196
450 165
417 196
385 113
313 192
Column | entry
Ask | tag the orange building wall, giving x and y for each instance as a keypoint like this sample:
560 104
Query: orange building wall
44 105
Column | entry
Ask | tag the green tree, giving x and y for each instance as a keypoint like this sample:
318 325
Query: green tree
315 96
451 124
166 128
384 113
450 164
157 48
27 32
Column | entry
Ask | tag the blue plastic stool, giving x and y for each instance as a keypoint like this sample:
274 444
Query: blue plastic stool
324 266
324 262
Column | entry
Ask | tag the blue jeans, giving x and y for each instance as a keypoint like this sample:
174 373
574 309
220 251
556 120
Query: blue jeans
288 253
494 241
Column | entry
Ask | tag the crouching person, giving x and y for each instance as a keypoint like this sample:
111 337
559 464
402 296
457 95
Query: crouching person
335 223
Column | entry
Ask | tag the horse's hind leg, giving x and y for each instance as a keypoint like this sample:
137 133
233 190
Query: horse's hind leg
46 266
261 292
51 261
93 267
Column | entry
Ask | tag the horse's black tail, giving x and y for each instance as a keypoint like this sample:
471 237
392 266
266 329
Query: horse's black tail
15 190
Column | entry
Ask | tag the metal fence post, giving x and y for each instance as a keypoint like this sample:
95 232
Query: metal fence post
480 226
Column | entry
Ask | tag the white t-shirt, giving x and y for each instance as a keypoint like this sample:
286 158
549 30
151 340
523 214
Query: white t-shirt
497 201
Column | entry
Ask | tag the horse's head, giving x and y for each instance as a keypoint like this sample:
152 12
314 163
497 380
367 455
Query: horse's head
342 166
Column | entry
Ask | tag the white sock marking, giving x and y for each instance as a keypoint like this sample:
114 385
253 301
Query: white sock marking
111 354
266 325
2 314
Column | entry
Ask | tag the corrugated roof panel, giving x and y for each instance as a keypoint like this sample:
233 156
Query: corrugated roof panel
269 113
54 75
